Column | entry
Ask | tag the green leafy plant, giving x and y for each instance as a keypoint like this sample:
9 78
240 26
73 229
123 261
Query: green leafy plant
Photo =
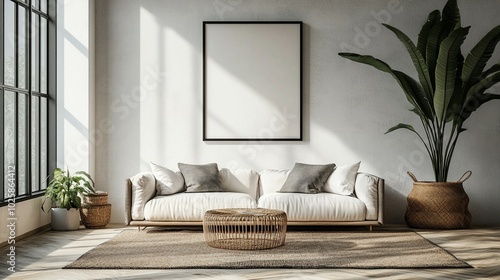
64 188
449 87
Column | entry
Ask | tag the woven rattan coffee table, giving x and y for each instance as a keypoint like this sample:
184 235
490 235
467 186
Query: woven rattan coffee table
244 228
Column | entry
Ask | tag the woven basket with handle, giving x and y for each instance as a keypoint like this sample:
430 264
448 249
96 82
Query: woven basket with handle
438 205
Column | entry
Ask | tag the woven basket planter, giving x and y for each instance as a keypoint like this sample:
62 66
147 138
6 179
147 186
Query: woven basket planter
95 211
95 216
438 205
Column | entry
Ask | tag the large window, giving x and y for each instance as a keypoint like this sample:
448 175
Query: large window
27 96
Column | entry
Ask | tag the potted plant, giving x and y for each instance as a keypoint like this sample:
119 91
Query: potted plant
450 87
64 192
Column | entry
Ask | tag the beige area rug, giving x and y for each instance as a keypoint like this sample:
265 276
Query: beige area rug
167 249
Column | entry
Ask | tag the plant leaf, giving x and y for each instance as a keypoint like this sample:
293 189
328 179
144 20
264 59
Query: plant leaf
412 89
488 72
482 86
402 126
369 60
432 49
418 61
476 96
451 18
449 21
458 97
433 18
414 94
478 58
474 103
446 70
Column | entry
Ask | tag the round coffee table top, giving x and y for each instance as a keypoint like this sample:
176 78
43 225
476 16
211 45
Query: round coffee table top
244 212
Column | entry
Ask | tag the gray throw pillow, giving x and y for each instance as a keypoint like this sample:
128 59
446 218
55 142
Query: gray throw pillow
307 178
201 178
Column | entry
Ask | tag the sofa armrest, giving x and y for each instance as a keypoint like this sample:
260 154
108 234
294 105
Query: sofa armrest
139 189
128 201
370 189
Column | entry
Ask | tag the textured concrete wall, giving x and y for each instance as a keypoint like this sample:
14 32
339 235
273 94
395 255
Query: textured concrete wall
149 94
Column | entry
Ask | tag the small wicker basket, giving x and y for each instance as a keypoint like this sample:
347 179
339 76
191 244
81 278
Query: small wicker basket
98 198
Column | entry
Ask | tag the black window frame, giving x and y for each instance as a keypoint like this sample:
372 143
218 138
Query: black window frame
33 10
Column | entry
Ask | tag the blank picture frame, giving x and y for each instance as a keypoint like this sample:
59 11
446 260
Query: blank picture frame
252 81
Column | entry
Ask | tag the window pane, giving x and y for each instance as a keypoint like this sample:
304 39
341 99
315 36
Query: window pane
43 6
9 43
9 148
35 136
43 142
22 58
35 52
43 56
35 3
21 142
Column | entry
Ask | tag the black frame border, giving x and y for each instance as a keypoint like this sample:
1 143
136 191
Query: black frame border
301 132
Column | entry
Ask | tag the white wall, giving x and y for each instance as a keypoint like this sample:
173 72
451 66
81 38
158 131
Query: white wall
75 85
149 94
29 217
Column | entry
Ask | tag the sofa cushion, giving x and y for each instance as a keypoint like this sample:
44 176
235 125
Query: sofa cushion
366 188
272 180
315 207
167 181
201 178
307 178
143 189
192 206
342 179
240 180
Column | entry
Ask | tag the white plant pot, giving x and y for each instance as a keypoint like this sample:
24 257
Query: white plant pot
63 219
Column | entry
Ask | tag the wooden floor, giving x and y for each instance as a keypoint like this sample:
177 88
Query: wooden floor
43 255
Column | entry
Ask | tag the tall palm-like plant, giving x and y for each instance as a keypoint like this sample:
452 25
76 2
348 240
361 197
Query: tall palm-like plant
450 87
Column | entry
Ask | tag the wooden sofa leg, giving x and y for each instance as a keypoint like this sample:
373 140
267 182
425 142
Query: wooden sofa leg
371 228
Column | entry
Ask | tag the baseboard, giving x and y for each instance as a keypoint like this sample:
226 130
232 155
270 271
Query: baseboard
27 234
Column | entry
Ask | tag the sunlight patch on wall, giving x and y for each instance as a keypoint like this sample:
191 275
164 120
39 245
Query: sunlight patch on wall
166 78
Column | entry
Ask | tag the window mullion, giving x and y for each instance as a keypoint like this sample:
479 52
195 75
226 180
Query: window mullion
39 144
29 99
38 80
2 61
20 3
16 99
2 32
51 86
38 51
2 159
16 47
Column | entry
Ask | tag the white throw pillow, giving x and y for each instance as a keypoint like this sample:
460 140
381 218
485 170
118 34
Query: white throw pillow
143 189
272 180
342 179
240 180
167 181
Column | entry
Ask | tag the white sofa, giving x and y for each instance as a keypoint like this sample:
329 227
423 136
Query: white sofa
249 189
